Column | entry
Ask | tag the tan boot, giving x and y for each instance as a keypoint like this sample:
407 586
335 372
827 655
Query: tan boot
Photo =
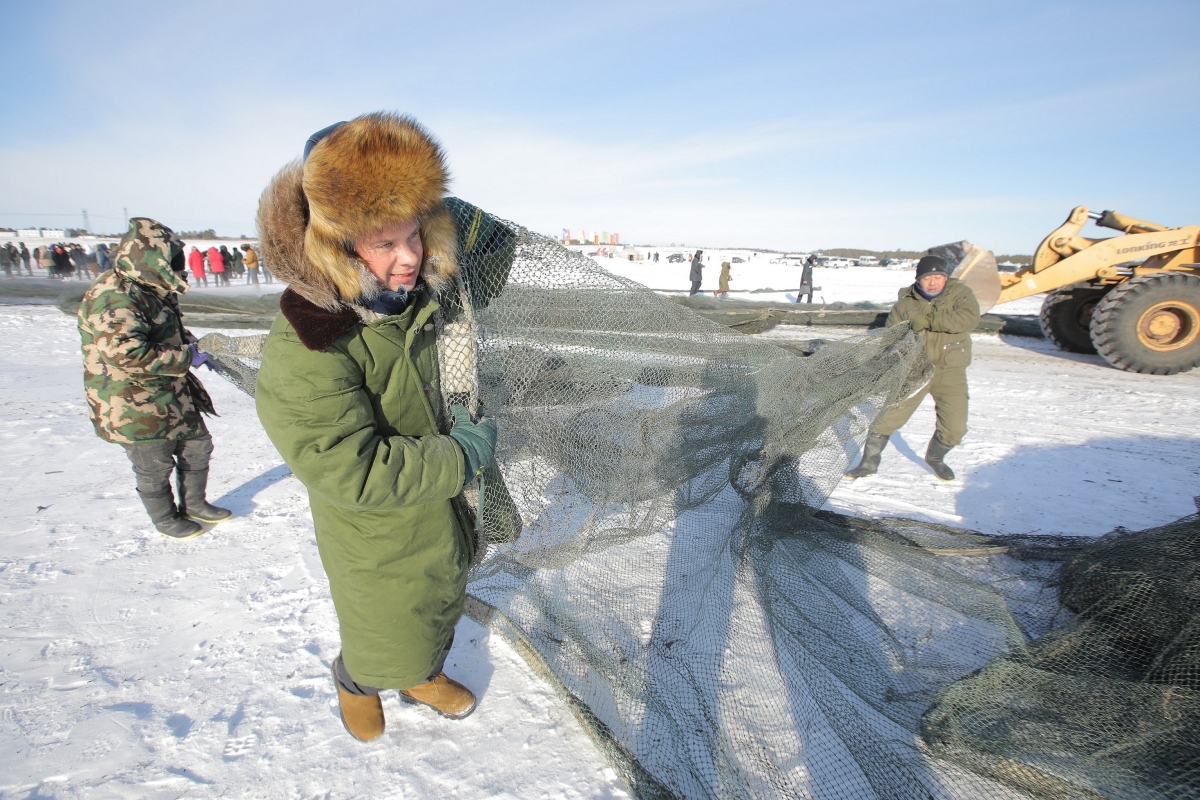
361 714
445 696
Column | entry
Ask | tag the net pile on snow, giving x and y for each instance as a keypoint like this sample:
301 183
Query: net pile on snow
1108 704
654 548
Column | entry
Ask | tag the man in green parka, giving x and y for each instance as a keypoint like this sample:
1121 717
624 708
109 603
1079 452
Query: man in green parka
946 310
141 393
349 393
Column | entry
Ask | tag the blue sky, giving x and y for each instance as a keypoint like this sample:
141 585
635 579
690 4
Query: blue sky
783 125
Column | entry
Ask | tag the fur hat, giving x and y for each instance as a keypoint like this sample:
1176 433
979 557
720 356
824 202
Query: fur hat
362 175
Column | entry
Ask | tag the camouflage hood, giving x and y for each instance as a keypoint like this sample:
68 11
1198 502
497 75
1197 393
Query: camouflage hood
137 365
145 255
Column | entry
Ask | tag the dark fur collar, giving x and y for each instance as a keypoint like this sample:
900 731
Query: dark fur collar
316 327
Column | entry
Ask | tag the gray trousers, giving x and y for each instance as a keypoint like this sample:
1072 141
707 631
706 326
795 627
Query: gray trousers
350 687
154 461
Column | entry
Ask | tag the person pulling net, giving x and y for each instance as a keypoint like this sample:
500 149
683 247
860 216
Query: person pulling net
650 536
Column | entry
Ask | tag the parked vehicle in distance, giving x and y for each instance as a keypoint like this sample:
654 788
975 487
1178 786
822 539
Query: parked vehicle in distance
790 260
738 260
675 258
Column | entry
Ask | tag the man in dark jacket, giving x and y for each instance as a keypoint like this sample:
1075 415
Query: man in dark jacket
697 273
103 261
806 278
79 258
137 358
235 262
62 262
946 310
227 260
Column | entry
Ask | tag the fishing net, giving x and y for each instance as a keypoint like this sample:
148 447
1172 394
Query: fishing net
235 358
654 548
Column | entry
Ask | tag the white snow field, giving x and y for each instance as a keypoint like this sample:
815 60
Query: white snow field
134 666
749 281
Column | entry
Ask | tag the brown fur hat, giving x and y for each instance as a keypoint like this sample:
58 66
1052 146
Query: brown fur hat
375 170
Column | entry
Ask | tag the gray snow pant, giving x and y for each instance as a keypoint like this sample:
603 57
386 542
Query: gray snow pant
350 687
154 461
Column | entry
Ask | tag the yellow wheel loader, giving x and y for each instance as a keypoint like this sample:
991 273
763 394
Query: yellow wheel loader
1134 299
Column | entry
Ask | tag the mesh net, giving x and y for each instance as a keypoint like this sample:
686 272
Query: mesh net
655 550
235 358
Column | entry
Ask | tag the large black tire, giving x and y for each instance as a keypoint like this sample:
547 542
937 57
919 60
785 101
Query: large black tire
1150 324
1066 317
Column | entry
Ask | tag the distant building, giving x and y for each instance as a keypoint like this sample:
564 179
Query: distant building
29 232
583 236
8 234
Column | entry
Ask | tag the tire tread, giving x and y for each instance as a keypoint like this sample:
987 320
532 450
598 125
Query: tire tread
1052 310
1104 329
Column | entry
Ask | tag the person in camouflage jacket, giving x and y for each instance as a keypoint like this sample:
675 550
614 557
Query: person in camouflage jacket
137 377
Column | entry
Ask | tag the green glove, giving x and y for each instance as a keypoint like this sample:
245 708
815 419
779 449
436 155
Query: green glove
477 440
920 323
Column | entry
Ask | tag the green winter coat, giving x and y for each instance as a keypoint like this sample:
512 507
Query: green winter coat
355 420
235 262
136 363
953 314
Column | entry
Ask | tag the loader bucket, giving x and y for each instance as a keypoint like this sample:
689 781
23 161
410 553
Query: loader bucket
975 267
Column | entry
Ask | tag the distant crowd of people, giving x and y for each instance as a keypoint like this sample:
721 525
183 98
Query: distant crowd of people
73 261
59 260
220 263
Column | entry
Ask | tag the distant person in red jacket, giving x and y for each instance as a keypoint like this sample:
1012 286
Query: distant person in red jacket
196 265
216 265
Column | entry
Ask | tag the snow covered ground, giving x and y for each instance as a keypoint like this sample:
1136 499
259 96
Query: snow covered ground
749 280
133 666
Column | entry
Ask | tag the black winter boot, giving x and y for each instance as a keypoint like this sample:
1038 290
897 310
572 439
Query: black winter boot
933 457
872 451
192 485
166 519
